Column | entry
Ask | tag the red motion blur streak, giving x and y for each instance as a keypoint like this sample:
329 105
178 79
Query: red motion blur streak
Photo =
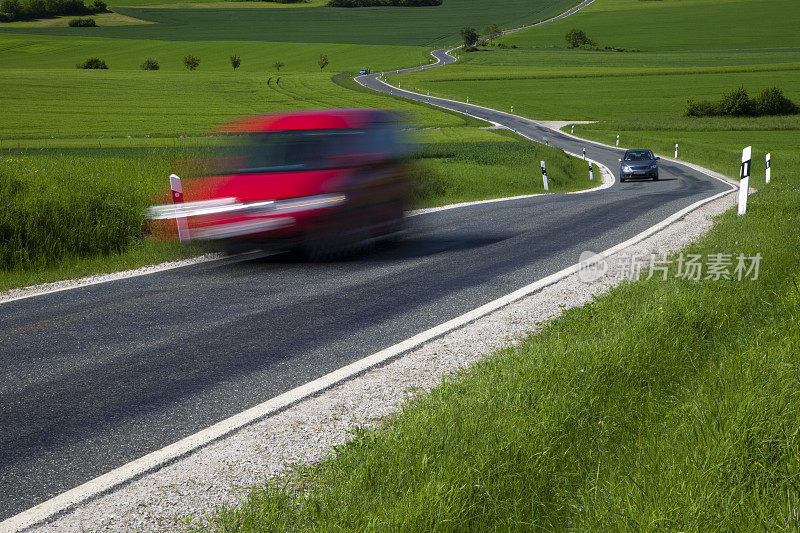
316 179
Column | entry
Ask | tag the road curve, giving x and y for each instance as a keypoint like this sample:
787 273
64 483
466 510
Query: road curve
95 377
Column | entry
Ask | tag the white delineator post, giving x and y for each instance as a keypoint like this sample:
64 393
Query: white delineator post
512 108
676 150
591 172
617 140
584 154
572 129
467 99
544 177
769 170
744 179
177 198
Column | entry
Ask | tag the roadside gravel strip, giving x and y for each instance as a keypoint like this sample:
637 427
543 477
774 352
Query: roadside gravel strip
221 473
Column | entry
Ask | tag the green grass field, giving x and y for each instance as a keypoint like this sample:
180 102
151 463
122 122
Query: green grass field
642 95
400 26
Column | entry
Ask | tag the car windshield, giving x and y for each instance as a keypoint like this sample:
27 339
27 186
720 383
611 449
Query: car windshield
299 150
639 155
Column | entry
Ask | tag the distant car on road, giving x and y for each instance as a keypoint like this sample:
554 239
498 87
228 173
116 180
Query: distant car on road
638 163
364 70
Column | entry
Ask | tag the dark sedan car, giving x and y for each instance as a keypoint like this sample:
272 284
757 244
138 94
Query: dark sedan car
639 163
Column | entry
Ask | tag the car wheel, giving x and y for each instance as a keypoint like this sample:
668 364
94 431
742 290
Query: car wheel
621 179
655 178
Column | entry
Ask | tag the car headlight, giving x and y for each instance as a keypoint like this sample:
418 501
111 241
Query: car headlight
626 168
654 166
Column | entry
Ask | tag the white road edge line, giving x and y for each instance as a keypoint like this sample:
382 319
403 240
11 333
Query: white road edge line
187 445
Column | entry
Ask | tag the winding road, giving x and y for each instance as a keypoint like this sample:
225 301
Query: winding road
95 377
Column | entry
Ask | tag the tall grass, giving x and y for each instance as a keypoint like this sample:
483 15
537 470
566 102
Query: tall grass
74 204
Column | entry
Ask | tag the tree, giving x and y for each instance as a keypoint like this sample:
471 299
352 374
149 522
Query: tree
578 39
492 31
278 65
191 62
322 61
470 37
13 8
235 62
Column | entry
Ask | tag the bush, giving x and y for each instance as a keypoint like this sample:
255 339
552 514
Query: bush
737 103
771 101
83 23
191 62
12 9
701 109
235 62
34 9
5 17
578 39
150 64
482 42
92 63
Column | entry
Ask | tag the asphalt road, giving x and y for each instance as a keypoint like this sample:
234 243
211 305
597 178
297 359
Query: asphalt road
95 377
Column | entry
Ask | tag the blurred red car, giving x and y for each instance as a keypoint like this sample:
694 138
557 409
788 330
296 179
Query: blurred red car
321 180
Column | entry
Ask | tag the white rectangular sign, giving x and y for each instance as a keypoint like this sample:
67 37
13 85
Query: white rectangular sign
769 170
544 177
744 179
177 198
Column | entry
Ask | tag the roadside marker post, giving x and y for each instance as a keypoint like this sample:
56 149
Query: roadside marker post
467 99
572 130
744 179
584 154
177 198
769 170
676 150
591 172
512 108
617 140
544 176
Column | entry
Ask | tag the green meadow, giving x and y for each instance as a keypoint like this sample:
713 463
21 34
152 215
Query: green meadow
641 95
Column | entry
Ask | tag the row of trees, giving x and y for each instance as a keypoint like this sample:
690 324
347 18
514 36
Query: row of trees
191 62
472 39
738 103
383 3
11 10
